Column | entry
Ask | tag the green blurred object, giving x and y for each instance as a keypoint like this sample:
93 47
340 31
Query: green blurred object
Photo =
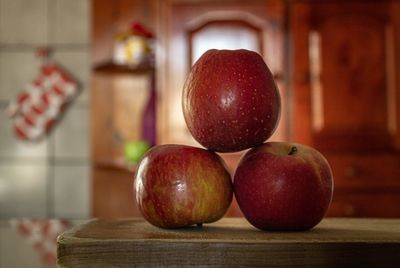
134 150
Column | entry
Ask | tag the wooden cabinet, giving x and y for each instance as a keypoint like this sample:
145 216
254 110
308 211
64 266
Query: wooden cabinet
188 28
118 98
336 64
346 97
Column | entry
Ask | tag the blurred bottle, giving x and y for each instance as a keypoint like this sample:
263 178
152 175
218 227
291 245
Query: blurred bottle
149 115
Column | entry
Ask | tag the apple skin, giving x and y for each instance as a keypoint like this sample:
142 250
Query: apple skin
178 186
283 191
230 101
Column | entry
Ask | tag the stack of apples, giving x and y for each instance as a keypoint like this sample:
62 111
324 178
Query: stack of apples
231 103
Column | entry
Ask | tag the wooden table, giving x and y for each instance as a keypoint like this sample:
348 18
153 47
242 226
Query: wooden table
231 242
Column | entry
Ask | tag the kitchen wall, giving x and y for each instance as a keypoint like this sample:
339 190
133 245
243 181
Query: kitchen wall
50 178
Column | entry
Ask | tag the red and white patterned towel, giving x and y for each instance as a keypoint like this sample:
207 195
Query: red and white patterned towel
43 101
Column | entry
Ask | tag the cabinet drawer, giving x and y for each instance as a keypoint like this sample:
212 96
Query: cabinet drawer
365 204
373 172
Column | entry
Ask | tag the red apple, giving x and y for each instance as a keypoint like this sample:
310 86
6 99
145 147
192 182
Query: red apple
230 100
178 185
283 186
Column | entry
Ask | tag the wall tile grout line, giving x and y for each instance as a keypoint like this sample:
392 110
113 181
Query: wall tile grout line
50 178
3 105
50 143
22 160
50 9
22 47
59 47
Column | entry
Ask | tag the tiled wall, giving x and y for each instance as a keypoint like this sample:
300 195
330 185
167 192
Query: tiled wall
50 178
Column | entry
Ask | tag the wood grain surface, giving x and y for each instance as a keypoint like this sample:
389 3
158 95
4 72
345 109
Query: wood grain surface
231 242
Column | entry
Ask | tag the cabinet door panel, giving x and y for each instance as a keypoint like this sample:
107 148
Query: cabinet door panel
351 68
113 195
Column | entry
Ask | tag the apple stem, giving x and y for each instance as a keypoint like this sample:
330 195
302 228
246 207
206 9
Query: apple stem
199 225
293 150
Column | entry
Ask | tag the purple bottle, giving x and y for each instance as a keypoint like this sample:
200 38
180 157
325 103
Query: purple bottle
149 114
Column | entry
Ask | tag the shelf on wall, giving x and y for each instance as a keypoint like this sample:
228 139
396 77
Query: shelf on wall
116 163
111 67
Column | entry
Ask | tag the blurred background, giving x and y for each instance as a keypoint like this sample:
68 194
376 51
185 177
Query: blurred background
49 177
336 64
